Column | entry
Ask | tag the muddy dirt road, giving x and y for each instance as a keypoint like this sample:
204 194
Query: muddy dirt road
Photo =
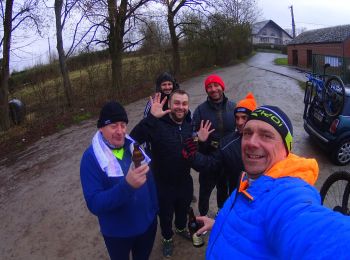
43 213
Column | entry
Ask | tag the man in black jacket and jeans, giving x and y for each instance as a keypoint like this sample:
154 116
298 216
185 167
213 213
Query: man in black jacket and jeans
220 112
166 131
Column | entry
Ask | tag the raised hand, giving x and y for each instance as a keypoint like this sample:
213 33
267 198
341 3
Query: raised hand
136 177
157 106
204 132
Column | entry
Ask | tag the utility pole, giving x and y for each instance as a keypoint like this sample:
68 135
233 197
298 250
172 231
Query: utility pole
293 24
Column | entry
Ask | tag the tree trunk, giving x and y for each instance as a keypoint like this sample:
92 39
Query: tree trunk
61 55
116 19
174 43
5 68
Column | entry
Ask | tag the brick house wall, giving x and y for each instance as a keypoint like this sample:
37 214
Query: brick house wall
347 48
331 49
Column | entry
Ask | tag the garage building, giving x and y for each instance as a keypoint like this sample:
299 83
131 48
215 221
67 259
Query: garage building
312 49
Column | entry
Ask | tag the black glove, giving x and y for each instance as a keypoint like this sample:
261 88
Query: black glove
189 149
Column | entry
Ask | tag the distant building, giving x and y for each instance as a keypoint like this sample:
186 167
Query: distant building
268 32
332 43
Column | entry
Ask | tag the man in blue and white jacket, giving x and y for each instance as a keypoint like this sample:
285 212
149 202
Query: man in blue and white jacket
122 197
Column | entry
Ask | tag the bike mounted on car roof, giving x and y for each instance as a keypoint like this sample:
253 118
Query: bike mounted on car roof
327 114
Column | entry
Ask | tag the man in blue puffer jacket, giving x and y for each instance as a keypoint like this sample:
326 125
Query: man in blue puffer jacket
275 213
123 197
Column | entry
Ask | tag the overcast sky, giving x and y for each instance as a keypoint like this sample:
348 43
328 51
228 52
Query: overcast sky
309 14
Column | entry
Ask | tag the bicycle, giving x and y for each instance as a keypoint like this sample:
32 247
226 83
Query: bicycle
335 192
324 91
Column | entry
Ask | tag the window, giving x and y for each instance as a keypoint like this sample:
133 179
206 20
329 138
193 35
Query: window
333 61
264 39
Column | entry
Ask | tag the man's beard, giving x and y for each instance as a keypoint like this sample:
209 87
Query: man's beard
176 118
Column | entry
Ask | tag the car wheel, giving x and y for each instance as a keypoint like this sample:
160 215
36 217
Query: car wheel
341 153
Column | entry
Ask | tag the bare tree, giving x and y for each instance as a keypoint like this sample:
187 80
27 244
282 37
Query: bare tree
112 21
61 54
153 36
240 11
5 68
12 17
174 25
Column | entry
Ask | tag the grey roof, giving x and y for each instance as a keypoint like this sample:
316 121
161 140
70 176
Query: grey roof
325 35
257 27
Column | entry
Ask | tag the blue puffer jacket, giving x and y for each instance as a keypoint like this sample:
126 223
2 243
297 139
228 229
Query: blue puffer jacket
283 219
228 157
122 211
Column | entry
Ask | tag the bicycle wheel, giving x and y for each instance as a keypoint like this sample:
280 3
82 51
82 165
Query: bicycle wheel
335 192
308 95
333 96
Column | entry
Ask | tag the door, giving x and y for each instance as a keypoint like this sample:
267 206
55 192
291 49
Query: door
308 58
295 57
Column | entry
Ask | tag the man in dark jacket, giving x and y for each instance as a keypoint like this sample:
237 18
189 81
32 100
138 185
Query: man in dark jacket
166 131
165 85
228 157
220 112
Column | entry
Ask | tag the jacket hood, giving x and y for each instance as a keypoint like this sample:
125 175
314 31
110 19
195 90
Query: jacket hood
166 76
295 166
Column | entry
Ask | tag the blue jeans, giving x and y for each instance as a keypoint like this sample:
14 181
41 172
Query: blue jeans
140 246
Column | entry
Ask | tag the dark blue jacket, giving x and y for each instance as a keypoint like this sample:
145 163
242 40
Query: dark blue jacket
166 138
122 211
228 158
222 118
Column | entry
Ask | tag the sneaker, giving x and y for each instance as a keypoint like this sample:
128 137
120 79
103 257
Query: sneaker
183 233
194 199
168 247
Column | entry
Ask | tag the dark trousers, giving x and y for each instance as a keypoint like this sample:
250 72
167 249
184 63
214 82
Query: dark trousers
207 182
140 246
174 199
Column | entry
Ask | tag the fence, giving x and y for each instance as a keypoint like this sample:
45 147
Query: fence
339 66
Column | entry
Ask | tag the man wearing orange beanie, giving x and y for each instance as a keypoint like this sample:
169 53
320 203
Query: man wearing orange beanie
228 157
220 112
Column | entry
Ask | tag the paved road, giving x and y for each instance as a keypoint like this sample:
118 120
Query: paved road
43 214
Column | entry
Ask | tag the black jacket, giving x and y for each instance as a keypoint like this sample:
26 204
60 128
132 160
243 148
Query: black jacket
222 118
227 158
166 138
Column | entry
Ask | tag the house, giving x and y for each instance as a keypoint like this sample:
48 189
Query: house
332 44
268 32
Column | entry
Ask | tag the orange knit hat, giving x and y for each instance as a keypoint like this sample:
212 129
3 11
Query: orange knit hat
246 105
